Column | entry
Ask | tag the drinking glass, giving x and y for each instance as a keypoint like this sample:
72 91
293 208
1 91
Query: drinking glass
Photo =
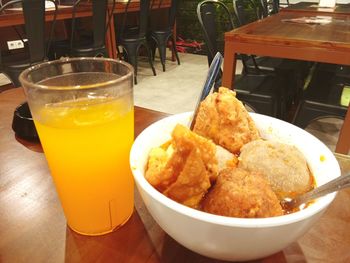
83 112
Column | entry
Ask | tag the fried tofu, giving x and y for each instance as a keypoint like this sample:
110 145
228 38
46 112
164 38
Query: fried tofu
223 119
186 172
192 183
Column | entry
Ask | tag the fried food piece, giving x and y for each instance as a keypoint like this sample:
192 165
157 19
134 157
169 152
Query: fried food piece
156 172
184 141
223 118
185 173
192 182
239 193
283 165
225 158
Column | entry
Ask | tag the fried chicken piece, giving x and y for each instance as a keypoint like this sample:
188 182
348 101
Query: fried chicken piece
186 172
223 118
239 193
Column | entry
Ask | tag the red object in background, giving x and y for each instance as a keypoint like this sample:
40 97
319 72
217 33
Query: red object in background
188 46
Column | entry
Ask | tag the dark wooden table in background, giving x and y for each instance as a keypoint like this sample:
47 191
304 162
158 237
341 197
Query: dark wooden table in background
33 227
272 37
12 18
310 7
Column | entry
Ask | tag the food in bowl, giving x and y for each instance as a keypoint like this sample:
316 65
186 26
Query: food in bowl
232 238
239 193
223 119
186 168
184 173
282 164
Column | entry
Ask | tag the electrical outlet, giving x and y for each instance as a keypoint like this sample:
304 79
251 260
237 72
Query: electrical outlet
20 44
15 44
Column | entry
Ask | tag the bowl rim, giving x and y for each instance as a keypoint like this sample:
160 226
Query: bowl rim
319 205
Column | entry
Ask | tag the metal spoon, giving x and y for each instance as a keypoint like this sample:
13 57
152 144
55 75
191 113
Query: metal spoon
213 72
332 186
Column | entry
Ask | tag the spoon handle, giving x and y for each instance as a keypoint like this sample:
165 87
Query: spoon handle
214 69
332 186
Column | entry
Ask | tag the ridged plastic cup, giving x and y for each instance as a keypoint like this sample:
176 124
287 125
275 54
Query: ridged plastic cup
84 114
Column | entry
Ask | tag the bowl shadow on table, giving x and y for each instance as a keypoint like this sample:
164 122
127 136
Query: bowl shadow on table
138 242
173 252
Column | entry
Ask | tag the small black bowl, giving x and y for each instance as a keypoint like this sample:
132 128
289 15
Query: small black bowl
23 124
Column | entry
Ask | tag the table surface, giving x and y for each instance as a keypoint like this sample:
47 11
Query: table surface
313 7
275 37
33 227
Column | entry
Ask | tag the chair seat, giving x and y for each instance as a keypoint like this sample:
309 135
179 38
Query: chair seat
293 72
18 60
322 98
81 48
261 93
82 42
131 37
165 32
20 65
13 69
89 51
259 85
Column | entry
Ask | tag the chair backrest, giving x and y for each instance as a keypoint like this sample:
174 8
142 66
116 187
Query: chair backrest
144 15
275 6
264 6
34 19
99 11
214 18
142 20
99 24
247 11
172 12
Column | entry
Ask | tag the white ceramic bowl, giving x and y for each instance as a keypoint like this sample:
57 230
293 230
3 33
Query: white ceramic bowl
229 238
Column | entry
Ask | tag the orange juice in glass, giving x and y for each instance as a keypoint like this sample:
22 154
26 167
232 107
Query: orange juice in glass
85 120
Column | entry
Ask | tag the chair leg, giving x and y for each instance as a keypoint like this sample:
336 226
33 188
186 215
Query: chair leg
162 53
150 60
153 47
173 44
132 59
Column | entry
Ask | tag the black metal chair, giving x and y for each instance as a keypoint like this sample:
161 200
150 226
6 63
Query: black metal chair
92 45
162 34
270 7
293 72
37 46
261 92
131 38
323 94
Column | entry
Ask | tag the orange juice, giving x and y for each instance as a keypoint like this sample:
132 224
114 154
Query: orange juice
86 144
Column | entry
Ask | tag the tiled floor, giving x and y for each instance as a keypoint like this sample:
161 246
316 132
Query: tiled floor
177 90
3 80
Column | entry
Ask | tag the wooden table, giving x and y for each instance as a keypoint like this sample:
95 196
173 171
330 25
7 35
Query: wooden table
308 7
33 227
12 18
271 37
